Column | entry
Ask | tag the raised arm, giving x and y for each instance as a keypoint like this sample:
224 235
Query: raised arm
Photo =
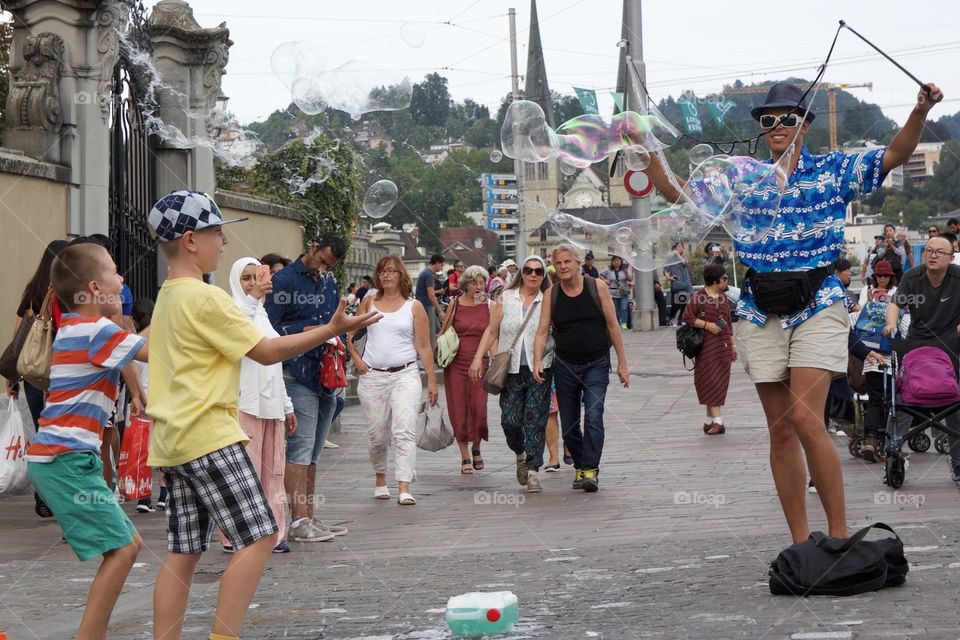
905 142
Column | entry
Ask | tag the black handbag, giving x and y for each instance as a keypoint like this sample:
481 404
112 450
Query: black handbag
822 566
689 340
786 292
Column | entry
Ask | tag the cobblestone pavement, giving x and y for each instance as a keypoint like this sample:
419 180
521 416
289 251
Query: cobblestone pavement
675 544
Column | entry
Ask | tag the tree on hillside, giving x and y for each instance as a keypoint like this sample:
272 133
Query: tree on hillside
430 102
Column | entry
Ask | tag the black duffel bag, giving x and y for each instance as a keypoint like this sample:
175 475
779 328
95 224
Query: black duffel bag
822 566
786 292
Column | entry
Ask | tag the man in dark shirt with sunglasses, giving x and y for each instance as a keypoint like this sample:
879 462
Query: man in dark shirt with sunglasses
791 355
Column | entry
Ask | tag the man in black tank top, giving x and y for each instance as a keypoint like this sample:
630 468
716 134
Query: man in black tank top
580 312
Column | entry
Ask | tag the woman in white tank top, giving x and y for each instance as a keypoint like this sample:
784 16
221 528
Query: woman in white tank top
389 387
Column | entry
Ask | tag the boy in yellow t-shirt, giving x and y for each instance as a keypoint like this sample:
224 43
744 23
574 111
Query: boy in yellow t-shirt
198 336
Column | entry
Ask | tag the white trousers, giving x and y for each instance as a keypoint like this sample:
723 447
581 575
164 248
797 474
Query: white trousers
390 402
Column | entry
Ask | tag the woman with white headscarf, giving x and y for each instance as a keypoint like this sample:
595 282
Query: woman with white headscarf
524 402
265 411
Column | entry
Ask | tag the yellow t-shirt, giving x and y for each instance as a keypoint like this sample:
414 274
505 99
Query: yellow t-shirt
197 337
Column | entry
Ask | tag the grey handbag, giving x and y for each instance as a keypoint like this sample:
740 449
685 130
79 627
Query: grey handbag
496 377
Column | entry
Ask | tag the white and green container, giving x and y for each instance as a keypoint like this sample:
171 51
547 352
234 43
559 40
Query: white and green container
482 613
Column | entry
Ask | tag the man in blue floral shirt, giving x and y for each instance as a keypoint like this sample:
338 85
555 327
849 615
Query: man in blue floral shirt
791 356
305 296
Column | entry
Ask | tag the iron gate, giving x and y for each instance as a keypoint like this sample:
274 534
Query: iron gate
132 168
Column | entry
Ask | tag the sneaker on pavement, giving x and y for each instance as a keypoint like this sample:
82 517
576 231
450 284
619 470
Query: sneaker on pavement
144 506
282 547
590 482
869 449
578 479
533 481
330 445
305 531
161 505
334 529
554 468
228 548
811 488
522 468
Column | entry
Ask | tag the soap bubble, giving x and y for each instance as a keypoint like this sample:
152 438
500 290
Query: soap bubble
643 243
580 141
412 35
636 158
380 198
567 169
496 155
525 135
740 192
354 87
700 153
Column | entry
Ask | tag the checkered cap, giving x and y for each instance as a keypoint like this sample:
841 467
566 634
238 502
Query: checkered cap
182 211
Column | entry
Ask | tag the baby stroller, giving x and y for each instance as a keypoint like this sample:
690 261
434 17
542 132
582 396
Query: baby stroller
925 375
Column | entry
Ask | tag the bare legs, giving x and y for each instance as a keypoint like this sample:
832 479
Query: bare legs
794 411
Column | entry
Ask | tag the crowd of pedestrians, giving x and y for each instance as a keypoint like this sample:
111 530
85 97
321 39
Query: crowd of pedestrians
242 386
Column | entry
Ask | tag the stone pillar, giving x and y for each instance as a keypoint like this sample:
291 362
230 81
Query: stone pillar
190 61
61 64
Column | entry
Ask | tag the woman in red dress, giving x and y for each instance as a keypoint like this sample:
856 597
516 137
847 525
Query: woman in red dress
467 400
709 309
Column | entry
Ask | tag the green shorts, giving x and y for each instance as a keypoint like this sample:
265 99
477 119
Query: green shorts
73 487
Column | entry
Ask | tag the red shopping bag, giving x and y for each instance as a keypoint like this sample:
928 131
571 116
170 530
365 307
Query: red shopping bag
134 477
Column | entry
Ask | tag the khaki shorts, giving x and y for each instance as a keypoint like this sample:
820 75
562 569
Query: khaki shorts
769 352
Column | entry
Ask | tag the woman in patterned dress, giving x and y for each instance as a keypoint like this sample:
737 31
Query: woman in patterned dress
709 310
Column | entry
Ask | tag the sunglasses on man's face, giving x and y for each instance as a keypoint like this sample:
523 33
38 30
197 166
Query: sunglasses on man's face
789 120
537 271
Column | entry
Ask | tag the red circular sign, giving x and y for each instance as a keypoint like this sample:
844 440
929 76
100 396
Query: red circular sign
493 615
637 183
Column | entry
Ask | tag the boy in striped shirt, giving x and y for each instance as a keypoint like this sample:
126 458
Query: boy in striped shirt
89 353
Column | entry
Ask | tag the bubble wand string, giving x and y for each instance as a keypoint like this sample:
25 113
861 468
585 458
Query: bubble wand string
923 85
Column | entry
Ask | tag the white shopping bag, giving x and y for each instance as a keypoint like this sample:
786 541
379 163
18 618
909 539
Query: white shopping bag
434 432
14 438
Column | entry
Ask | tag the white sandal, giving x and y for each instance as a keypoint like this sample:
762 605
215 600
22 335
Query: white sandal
381 493
406 499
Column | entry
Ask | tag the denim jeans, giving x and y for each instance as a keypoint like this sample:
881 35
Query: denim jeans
622 306
314 415
582 385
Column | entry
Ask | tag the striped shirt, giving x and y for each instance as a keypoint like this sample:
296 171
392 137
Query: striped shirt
88 355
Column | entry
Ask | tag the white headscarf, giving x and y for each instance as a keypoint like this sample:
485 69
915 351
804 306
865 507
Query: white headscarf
268 380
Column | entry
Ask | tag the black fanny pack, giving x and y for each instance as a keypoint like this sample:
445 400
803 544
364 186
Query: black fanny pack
786 292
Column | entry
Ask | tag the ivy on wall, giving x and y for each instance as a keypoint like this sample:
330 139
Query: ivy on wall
330 205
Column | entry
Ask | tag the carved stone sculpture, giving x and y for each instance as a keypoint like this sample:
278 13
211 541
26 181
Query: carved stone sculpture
34 98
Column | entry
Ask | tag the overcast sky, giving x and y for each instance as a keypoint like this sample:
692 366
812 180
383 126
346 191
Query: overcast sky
691 45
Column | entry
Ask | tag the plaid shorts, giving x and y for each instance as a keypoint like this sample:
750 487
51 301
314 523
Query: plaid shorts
219 489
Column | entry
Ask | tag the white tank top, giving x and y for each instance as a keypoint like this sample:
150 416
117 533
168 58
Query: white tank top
390 342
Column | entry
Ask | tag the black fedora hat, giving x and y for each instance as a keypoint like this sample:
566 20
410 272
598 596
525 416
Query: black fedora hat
781 95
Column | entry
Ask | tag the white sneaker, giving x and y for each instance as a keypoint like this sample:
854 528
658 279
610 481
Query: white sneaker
323 527
329 445
305 531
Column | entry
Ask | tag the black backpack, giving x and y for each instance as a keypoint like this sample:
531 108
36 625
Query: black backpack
822 566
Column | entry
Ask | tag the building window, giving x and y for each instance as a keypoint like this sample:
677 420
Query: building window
543 171
529 171
543 234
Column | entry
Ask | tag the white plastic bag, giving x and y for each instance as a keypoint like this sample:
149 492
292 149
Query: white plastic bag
14 438
433 428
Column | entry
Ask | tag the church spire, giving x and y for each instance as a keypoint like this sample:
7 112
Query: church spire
535 87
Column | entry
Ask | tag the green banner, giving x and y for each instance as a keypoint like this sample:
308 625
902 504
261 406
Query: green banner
588 100
719 111
690 118
618 100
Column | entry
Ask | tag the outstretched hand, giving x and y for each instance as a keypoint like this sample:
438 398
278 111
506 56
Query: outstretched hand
928 96
342 323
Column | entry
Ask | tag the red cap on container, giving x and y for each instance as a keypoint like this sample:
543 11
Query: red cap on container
492 615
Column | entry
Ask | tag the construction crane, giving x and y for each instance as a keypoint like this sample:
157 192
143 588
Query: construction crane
831 88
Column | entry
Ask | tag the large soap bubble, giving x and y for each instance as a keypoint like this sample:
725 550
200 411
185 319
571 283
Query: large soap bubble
644 243
740 192
355 86
380 198
496 155
412 34
636 158
580 141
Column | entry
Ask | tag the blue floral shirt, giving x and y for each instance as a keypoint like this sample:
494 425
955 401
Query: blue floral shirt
299 301
808 230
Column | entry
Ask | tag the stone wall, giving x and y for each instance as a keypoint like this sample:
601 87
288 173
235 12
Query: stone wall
33 211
